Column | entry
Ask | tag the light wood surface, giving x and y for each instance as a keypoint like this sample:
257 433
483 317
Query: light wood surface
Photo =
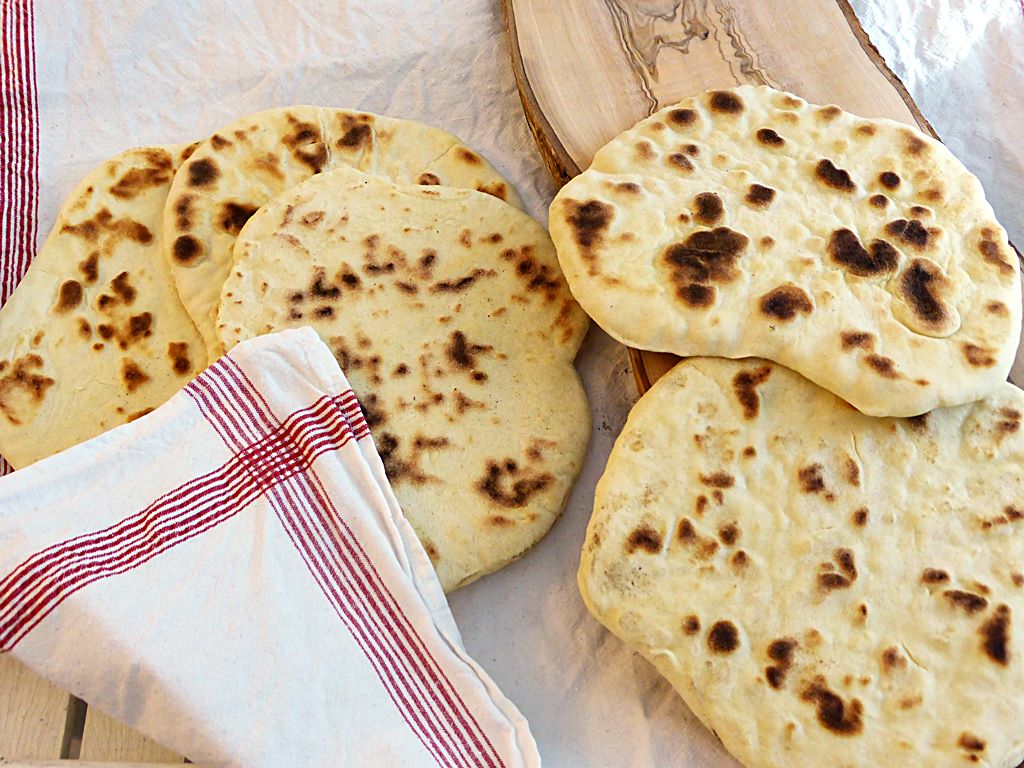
589 69
39 722
106 739
73 764
33 714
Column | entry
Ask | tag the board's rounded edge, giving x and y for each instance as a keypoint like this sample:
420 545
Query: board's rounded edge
561 166
876 58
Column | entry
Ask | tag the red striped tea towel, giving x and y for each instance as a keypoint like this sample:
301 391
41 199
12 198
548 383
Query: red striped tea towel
232 575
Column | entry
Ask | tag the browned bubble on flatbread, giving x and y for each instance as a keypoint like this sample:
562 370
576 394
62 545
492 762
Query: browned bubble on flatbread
1010 513
178 353
995 634
827 173
978 356
187 249
883 366
698 546
840 573
856 340
723 637
507 484
644 538
132 375
202 172
22 386
136 180
910 233
968 602
786 302
706 256
589 221
780 652
893 660
69 296
993 253
707 207
759 196
681 117
356 131
769 137
104 228
843 718
233 215
306 142
745 384
934 576
889 180
846 250
926 290
727 102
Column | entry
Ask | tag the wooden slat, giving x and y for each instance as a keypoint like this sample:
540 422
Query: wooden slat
33 714
73 764
106 739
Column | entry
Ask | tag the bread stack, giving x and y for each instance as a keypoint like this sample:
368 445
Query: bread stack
813 526
406 251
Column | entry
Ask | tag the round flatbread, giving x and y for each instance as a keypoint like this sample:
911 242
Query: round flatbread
94 335
858 252
821 587
448 314
256 158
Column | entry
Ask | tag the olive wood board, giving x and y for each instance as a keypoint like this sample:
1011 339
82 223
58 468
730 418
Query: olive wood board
589 69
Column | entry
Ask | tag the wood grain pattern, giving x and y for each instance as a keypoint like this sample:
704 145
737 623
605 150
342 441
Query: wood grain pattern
106 739
33 714
589 69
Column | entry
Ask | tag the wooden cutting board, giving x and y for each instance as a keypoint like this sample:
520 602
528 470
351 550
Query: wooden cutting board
589 69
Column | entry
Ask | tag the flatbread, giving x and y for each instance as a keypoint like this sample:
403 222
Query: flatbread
821 587
256 158
94 335
860 253
448 314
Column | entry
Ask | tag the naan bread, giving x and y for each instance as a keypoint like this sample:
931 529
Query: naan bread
860 253
258 157
823 588
448 314
95 336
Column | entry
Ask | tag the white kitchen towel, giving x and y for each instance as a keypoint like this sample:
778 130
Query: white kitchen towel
232 576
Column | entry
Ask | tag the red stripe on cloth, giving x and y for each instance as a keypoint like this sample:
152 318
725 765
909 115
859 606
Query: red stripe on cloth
213 399
129 532
36 583
222 395
42 582
330 543
438 678
19 159
355 416
19 155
